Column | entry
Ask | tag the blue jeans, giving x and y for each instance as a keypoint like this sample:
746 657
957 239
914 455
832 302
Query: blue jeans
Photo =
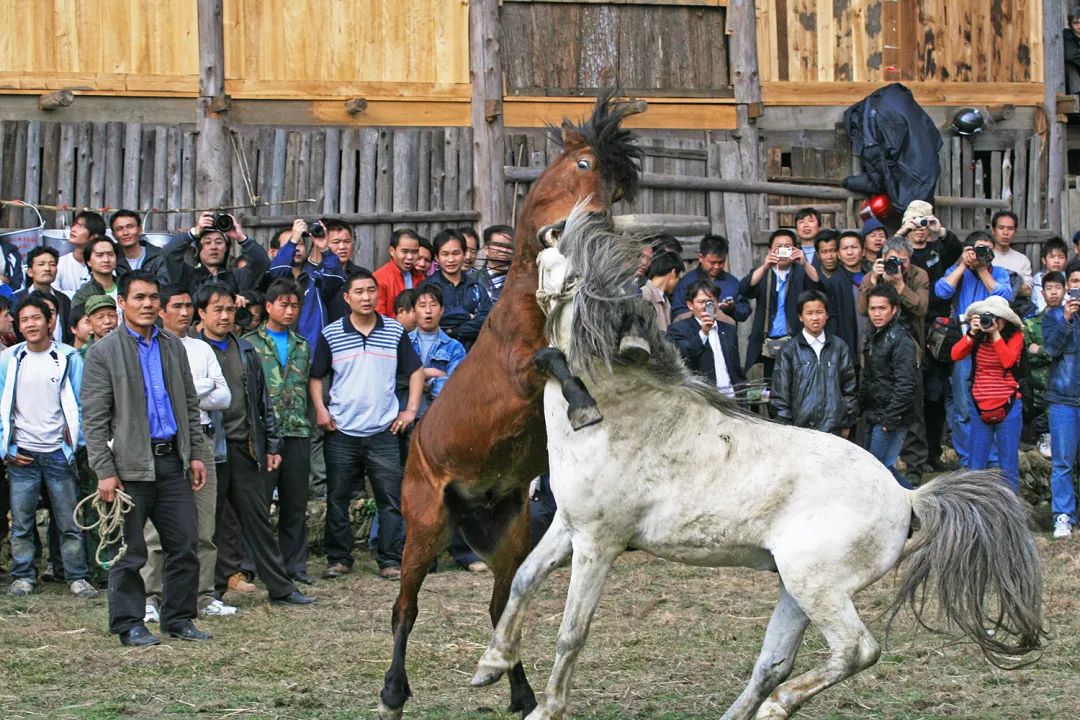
347 457
1064 444
52 470
1002 438
958 408
885 445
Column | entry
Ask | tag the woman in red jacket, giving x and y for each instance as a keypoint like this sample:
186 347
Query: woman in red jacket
995 344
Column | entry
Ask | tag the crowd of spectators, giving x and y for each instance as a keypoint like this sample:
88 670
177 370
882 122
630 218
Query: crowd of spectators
213 379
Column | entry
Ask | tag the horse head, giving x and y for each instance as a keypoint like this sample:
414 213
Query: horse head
598 165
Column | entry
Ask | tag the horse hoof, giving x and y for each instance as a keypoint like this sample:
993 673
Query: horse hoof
634 350
486 675
771 710
584 416
387 713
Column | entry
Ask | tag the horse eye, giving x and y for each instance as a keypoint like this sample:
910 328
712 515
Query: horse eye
583 164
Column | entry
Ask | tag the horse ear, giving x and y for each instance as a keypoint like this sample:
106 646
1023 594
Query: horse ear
571 135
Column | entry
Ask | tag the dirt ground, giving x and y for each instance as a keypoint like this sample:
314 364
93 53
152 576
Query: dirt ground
669 642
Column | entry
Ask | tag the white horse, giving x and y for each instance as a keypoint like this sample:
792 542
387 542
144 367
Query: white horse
680 471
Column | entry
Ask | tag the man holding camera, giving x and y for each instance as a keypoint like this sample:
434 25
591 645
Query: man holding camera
972 279
707 342
912 285
303 257
211 237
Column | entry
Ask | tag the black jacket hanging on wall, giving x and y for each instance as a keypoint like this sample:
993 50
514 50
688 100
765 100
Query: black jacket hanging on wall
898 144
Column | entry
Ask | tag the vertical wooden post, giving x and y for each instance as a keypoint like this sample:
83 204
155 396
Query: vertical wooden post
748 107
1054 83
488 144
213 176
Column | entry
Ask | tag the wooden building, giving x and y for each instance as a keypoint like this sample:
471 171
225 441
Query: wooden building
367 108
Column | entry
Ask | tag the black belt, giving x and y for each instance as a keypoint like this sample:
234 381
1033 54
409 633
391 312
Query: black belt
162 447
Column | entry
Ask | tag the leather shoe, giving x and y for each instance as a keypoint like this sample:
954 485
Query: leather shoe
188 631
336 570
294 598
139 636
302 577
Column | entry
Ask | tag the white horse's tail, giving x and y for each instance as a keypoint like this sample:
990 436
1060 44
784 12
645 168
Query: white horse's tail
971 540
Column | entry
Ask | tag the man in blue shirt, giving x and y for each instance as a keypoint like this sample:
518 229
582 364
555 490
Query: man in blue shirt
971 279
712 264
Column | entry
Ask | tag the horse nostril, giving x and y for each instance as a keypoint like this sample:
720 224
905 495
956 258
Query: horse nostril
549 234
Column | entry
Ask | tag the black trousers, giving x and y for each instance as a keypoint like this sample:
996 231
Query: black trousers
241 485
169 503
291 481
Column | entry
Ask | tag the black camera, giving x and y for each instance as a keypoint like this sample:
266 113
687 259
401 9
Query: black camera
316 229
984 254
223 222
893 265
987 320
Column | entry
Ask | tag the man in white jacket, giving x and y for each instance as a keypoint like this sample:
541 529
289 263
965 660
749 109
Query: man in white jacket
176 315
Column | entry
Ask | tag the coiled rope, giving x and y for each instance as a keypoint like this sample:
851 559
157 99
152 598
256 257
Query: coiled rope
109 524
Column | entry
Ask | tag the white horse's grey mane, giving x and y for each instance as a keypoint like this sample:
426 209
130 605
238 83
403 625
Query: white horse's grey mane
603 261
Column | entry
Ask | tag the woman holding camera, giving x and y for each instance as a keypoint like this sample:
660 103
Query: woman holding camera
995 345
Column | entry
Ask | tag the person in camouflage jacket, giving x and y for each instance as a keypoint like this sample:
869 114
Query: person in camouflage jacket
286 359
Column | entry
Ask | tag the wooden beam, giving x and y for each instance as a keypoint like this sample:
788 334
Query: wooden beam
742 16
1054 83
355 106
725 184
1027 94
369 218
213 177
488 131
680 225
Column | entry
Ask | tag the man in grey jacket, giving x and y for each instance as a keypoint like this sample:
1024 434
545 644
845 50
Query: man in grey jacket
139 395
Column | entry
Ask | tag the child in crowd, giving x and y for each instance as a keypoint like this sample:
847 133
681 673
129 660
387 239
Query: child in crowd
1054 254
404 310
1052 292
814 379
1061 333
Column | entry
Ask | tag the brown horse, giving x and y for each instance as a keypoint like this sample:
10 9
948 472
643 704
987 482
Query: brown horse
480 444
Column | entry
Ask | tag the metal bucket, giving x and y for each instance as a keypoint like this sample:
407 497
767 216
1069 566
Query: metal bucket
157 239
57 240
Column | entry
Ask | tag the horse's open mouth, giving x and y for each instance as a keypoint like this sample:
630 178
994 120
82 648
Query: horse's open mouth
549 234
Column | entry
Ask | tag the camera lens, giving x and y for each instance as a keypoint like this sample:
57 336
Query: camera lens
223 222
892 266
923 222
316 229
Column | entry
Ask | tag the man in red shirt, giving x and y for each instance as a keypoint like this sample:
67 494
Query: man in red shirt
398 274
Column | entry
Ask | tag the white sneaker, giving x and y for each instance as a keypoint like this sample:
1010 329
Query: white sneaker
151 615
83 589
1062 526
20 588
216 608
1044 446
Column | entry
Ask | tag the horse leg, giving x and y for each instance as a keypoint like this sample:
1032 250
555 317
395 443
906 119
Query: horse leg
504 650
852 647
505 562
582 411
427 533
588 573
774 664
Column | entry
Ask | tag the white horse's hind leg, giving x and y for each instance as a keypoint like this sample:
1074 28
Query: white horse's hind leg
588 572
503 651
853 650
774 664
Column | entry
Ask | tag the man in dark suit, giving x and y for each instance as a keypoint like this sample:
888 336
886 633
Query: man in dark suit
774 285
708 340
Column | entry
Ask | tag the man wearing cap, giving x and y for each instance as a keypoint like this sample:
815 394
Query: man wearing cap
100 310
874 236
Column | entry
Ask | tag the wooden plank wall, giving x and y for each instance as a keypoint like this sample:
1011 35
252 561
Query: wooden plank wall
644 49
317 49
344 170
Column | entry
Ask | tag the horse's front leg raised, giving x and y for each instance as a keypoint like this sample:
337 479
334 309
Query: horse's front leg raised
582 411
504 650
588 573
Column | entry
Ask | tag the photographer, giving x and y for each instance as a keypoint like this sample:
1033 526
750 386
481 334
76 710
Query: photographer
1061 335
887 392
972 279
304 257
995 345
708 344
774 286
211 236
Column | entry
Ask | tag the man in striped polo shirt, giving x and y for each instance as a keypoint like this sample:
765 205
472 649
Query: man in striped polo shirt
365 352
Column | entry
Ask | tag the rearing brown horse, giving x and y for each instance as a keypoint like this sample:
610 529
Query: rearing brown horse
481 443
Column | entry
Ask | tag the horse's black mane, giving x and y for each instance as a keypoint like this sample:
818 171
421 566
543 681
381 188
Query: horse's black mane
616 150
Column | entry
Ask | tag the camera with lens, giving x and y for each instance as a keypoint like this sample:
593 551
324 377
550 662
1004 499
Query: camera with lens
984 254
921 222
316 229
784 251
987 320
243 317
223 222
893 265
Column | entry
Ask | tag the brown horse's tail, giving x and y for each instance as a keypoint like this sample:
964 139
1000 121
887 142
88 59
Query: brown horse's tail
972 542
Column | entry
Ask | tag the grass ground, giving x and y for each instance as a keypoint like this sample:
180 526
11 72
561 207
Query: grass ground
669 642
